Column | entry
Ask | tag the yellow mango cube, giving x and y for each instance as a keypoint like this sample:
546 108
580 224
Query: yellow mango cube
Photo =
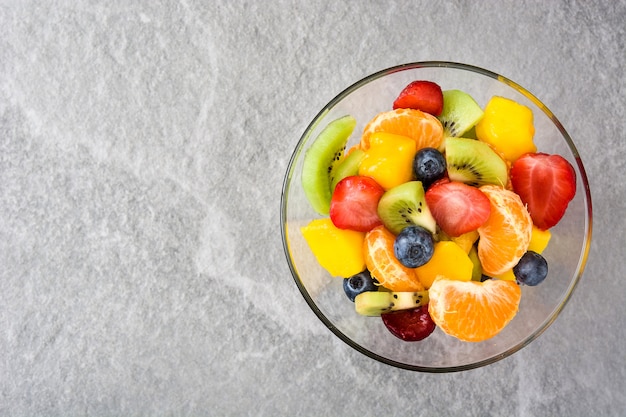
338 251
449 260
507 276
539 239
508 127
466 240
389 159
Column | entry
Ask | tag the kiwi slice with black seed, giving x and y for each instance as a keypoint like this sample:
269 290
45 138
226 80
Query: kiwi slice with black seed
475 163
459 114
347 167
375 303
404 205
321 159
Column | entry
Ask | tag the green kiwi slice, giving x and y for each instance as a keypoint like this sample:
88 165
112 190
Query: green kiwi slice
474 162
459 114
321 159
375 303
404 205
471 133
347 167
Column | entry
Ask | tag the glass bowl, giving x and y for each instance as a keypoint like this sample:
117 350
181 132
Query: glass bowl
539 307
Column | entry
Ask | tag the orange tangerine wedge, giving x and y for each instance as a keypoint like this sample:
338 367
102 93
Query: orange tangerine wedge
384 266
424 128
505 236
473 311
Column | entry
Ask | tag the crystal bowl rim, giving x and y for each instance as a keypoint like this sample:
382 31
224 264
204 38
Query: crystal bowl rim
465 67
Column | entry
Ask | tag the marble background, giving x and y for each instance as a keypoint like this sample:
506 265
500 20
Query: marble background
142 150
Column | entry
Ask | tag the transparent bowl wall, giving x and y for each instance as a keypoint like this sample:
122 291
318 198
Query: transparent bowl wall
539 307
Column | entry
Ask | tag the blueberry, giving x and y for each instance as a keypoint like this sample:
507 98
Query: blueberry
414 246
359 283
429 165
531 270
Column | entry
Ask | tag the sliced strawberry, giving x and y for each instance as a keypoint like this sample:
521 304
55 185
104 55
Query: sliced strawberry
546 184
421 95
354 204
458 208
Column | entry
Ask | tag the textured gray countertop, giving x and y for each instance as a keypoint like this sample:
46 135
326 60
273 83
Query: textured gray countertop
142 153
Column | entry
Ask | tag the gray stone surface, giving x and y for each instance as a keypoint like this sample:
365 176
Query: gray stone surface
142 151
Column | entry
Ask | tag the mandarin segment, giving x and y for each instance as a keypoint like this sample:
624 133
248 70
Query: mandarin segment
505 236
473 311
425 129
383 265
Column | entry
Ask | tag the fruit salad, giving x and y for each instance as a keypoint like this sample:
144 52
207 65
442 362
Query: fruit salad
440 212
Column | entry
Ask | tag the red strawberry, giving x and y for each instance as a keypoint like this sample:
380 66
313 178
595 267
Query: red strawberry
354 204
457 207
546 184
421 95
